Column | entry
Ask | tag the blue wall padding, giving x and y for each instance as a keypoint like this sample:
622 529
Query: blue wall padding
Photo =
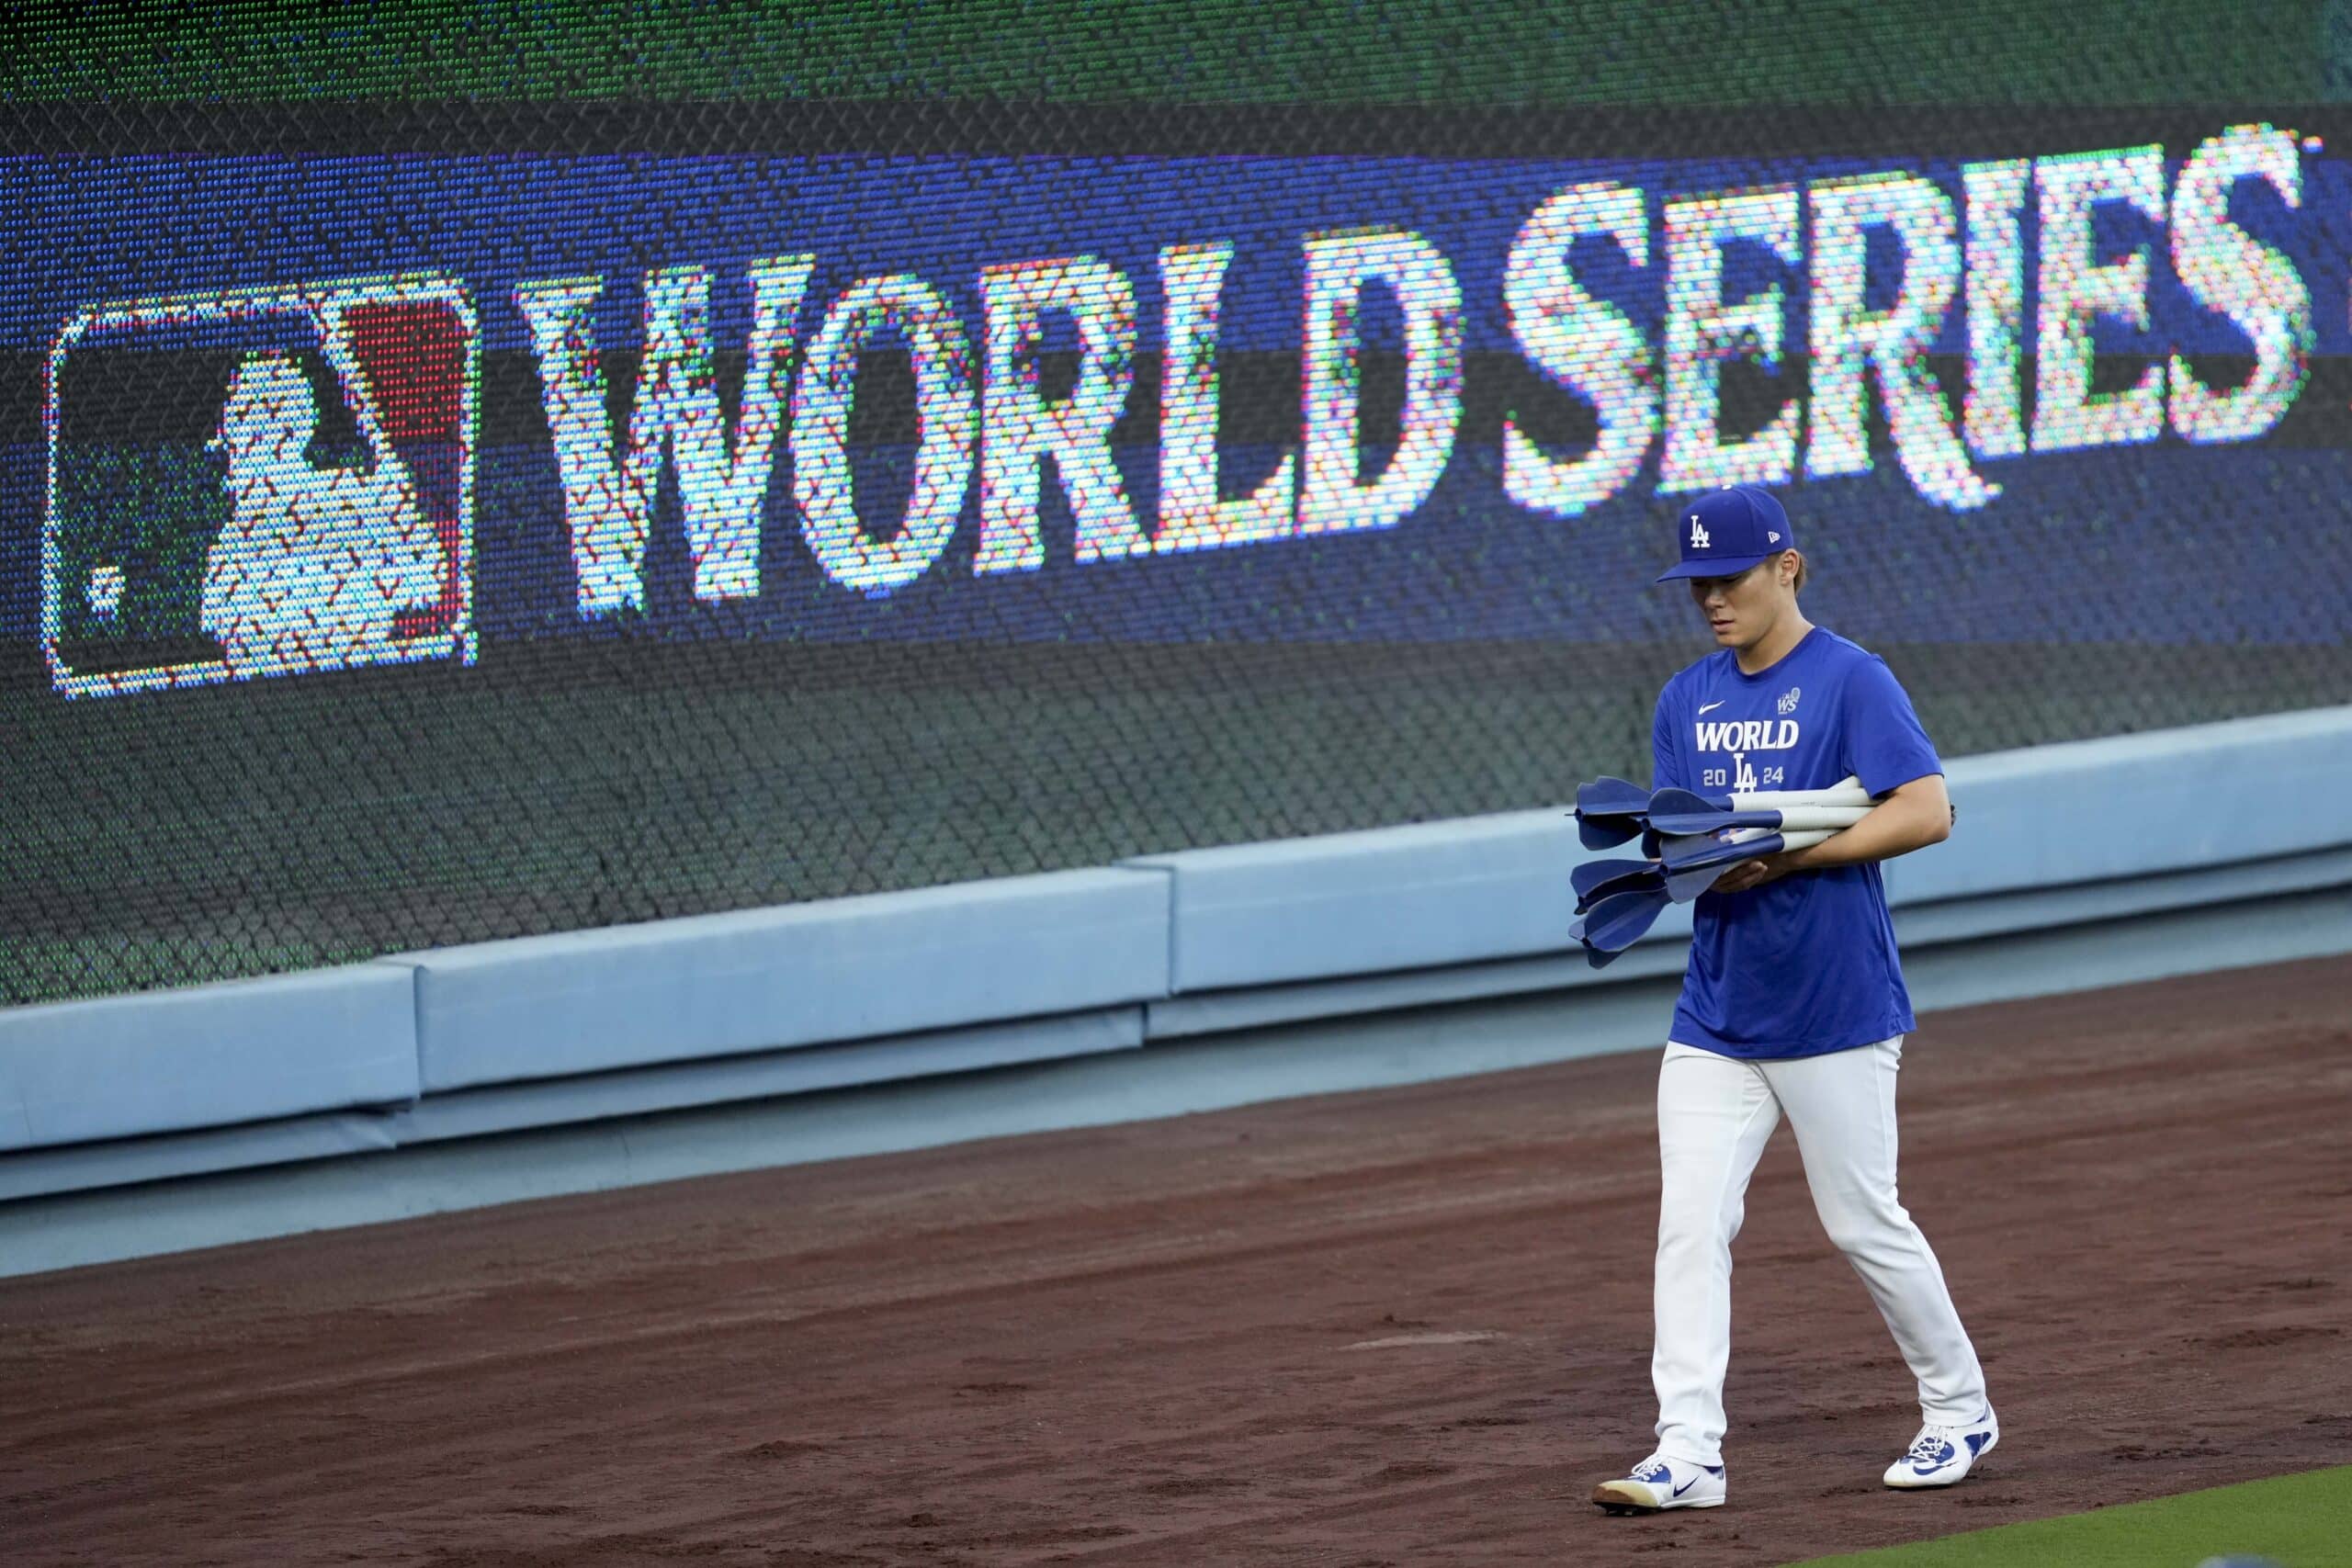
758 979
1919 924
2131 805
196 1151
207 1056
673 1086
1206 939
508 1108
1356 903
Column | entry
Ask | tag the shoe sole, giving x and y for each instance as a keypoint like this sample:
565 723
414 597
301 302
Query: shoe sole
1609 1500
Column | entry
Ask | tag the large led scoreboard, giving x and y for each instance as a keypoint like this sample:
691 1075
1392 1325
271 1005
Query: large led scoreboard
699 330
434 524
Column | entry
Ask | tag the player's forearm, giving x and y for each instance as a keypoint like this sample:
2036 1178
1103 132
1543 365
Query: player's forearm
1911 818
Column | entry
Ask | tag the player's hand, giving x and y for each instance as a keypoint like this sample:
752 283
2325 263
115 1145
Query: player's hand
1754 873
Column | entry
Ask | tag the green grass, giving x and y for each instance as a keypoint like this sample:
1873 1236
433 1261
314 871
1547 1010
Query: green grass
2298 1521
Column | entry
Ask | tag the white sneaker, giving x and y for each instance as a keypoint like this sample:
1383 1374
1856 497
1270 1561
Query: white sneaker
1660 1483
1941 1455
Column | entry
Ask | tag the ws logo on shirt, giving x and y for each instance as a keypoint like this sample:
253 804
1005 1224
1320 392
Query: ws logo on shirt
1747 735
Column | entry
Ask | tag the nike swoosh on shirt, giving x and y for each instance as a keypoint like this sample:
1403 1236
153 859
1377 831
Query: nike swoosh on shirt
1705 708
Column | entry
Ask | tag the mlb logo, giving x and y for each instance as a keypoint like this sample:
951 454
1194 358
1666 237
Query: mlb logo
260 481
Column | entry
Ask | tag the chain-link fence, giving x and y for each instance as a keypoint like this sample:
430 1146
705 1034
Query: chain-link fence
474 510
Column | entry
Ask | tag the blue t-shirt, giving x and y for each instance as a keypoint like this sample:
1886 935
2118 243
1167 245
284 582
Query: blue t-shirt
1804 965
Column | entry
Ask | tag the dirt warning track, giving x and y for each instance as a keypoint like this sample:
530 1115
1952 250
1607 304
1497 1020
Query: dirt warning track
1408 1327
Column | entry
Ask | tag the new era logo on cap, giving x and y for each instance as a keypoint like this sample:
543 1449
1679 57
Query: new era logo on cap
1730 530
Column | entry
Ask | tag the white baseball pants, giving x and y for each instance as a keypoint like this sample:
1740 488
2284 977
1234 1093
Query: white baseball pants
1714 1116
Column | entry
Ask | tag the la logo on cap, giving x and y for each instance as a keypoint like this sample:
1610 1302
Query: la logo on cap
1699 535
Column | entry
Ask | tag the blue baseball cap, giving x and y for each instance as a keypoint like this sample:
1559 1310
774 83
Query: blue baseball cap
1723 533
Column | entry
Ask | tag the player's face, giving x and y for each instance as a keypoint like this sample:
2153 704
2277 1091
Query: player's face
1742 610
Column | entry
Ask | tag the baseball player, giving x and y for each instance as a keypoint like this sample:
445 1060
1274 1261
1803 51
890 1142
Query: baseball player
1793 1002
